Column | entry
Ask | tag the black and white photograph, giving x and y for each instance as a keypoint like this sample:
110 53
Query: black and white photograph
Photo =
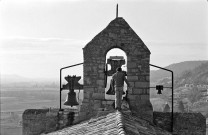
103 67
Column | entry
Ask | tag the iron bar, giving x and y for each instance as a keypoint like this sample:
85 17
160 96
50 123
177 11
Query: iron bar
172 91
151 87
117 11
61 81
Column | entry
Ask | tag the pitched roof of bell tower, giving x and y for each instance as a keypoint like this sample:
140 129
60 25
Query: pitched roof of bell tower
118 31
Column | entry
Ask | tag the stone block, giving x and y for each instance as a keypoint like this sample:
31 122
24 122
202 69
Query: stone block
130 91
129 59
146 91
89 89
99 96
142 78
148 78
131 65
109 102
100 82
112 35
132 78
96 106
51 114
87 95
102 59
104 102
101 75
85 100
97 101
131 97
101 90
94 68
100 71
145 97
137 91
131 84
84 108
135 70
101 66
142 84
87 81
96 90
87 68
82 113
84 104
80 117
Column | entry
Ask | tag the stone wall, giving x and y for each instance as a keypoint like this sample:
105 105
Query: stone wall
37 121
118 34
183 123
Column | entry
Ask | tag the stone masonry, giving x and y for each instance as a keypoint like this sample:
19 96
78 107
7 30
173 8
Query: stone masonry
37 121
118 34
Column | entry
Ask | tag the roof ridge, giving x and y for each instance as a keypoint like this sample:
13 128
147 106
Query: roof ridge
114 123
120 123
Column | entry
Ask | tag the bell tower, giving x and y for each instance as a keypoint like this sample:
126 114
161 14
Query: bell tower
118 34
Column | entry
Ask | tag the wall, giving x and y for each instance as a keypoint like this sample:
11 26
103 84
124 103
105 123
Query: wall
37 121
118 34
184 123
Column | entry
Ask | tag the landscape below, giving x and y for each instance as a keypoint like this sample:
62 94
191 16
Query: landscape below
17 97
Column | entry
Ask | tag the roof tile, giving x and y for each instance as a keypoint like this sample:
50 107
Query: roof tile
114 123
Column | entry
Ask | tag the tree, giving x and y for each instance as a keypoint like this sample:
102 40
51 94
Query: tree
194 95
166 108
181 106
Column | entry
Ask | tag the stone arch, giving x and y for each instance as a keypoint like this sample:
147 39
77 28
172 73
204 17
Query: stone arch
114 47
115 51
118 34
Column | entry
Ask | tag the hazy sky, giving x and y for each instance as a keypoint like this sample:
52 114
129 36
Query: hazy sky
38 37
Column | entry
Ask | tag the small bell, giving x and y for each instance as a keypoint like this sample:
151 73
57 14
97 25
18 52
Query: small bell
71 99
159 88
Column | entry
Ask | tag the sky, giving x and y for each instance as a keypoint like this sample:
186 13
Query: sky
38 37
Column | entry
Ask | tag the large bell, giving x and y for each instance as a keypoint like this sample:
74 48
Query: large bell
71 99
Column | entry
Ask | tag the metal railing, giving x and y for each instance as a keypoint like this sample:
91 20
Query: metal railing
61 81
149 87
168 87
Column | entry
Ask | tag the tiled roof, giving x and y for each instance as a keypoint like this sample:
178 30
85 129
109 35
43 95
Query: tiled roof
115 123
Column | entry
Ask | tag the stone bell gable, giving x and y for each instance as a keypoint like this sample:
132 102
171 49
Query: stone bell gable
118 34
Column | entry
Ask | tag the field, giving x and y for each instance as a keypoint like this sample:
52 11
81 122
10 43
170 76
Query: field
15 101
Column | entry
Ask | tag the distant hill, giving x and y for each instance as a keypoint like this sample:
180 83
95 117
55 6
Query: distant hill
190 71
12 80
177 68
198 75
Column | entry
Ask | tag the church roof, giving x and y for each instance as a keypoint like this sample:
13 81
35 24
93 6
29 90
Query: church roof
114 123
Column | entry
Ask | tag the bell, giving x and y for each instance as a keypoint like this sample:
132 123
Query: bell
159 88
71 99
159 92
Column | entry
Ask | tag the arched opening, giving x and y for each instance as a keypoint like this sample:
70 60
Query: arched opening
118 53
